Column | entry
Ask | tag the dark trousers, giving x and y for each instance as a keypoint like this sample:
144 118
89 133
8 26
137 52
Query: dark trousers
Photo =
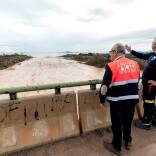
121 117
149 93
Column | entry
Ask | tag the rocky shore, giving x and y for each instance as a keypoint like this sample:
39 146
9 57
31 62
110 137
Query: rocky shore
8 60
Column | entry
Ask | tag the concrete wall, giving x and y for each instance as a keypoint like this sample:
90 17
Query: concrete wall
92 115
35 120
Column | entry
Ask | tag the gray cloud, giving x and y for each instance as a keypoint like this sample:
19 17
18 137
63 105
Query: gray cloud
103 12
86 20
140 39
122 2
96 14
28 11
80 42
53 37
140 35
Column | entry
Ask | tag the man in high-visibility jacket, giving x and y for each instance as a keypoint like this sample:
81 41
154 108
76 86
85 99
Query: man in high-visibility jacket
120 88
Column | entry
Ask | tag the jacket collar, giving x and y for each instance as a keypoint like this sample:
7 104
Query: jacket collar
121 56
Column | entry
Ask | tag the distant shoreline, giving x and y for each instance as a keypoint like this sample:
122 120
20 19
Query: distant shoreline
8 60
98 60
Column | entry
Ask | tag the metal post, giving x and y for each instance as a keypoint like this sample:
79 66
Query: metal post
13 96
57 90
93 87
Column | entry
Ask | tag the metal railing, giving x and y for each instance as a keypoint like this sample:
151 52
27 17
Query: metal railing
14 90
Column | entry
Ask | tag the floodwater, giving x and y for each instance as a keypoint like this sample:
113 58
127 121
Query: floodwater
51 70
47 70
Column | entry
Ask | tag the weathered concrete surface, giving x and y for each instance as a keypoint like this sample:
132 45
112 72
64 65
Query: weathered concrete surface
92 115
91 145
36 120
149 150
139 107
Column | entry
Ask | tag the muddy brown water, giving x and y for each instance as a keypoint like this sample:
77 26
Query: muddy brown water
38 71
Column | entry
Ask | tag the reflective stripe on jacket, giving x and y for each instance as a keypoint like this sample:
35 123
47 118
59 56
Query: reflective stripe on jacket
125 77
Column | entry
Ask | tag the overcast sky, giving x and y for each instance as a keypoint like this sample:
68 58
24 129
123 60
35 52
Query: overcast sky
75 25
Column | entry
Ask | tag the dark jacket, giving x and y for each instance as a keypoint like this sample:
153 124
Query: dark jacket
149 72
116 91
107 78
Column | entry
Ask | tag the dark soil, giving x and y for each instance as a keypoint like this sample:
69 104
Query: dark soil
10 60
98 60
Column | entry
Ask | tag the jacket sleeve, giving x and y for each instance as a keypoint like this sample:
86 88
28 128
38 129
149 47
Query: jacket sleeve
141 55
105 83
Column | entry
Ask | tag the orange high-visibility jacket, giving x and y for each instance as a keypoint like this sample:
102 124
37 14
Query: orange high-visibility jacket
124 83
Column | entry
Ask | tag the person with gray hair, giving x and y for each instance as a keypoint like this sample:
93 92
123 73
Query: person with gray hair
149 86
120 88
119 48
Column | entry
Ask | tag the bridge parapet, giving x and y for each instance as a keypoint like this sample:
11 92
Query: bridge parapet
30 121
92 115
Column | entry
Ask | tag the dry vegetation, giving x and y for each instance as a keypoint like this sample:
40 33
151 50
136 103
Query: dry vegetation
97 59
10 60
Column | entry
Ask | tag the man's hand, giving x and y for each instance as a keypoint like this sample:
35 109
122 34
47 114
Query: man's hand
103 90
128 48
152 82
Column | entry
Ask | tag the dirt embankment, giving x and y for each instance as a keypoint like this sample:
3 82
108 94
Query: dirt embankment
10 60
98 60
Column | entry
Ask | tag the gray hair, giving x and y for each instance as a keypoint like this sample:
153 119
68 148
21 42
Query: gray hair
119 48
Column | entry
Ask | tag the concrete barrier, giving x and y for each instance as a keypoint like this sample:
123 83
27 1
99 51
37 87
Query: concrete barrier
36 120
92 115
139 107
32 121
